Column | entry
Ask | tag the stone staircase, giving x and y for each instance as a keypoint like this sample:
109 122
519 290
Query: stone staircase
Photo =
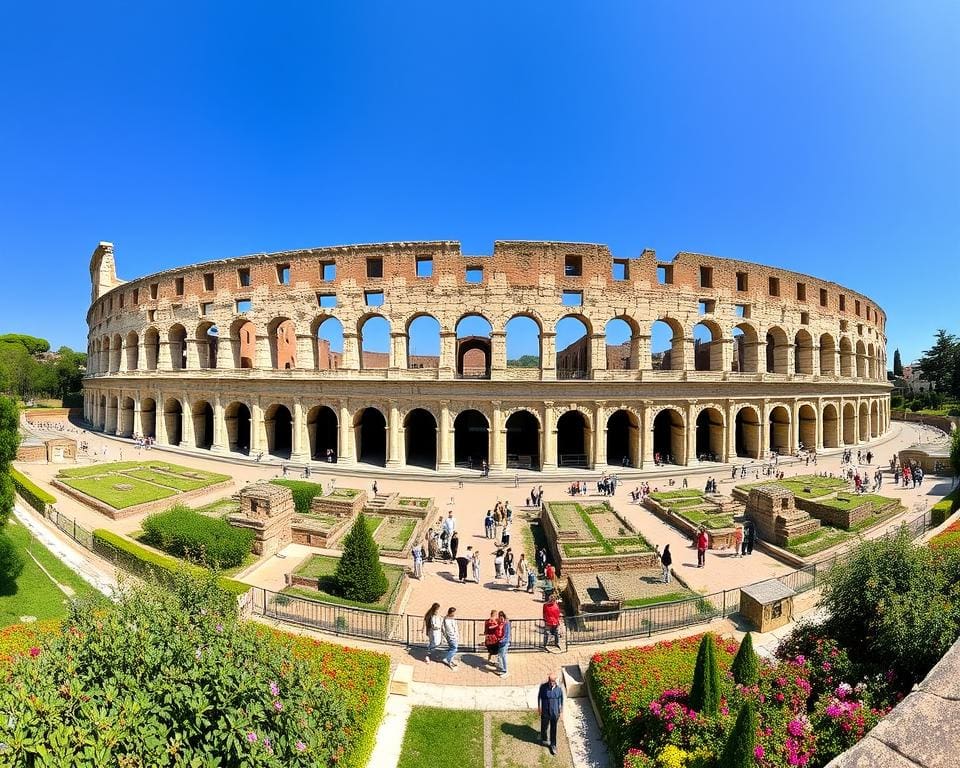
379 501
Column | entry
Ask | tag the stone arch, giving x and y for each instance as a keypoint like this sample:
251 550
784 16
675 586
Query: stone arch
622 343
830 423
871 362
707 347
148 417
746 343
173 420
779 426
828 355
623 438
863 422
776 349
370 429
847 366
101 418
323 433
710 434
523 439
202 414
849 424
420 438
803 352
326 333
669 437
208 342
523 337
177 344
666 354
151 348
125 417
374 331
132 344
278 424
807 426
239 426
474 350
861 360
116 352
573 439
874 419
283 343
573 335
471 439
747 432
243 340
423 341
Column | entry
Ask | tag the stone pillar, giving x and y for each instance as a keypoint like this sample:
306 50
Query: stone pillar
399 344
815 359
791 360
345 442
730 444
305 359
764 431
548 355
122 368
351 351
642 344
726 354
819 422
188 437
498 351
856 422
448 354
110 424
445 438
263 353
137 417
394 444
690 417
598 353
549 437
258 430
794 426
299 448
164 361
193 354
220 443
646 436
497 448
600 435
687 350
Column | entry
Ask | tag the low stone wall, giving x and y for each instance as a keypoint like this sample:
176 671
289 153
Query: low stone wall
303 530
150 506
400 594
944 423
720 538
32 453
839 518
567 564
338 505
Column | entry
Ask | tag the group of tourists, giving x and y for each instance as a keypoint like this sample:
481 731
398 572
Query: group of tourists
606 486
143 442
911 475
496 525
535 499
638 494
710 486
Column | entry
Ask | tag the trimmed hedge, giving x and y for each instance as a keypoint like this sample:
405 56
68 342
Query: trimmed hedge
142 561
183 532
940 511
303 493
33 494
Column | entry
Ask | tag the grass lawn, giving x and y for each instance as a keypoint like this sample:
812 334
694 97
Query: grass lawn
442 738
856 500
393 534
683 493
670 597
819 486
119 491
697 517
123 484
34 594
168 479
323 567
220 508
817 541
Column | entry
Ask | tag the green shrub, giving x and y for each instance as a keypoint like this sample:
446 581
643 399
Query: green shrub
745 667
359 574
738 752
11 563
303 493
954 410
705 691
183 532
31 493
141 561
940 511
9 442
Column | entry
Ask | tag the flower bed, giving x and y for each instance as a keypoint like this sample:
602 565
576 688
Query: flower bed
948 537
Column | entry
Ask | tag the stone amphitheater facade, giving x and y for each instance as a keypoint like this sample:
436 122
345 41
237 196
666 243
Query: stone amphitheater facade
232 356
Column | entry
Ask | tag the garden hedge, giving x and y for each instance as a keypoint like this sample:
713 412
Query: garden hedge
303 493
33 494
132 557
940 511
183 532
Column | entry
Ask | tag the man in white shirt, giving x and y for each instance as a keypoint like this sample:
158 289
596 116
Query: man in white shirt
450 524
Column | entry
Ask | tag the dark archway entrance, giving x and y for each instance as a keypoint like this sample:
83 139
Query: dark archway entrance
279 427
173 421
237 416
572 443
420 438
748 434
523 441
322 433
148 417
668 437
710 435
202 424
622 431
780 431
371 435
470 439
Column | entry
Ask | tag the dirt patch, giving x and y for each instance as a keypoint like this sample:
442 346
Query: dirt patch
516 742
609 525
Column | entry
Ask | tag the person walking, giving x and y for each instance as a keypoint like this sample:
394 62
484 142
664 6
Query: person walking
703 541
749 537
666 560
551 621
738 541
475 563
451 633
498 564
463 562
521 571
431 627
488 525
491 636
504 642
549 707
541 559
417 553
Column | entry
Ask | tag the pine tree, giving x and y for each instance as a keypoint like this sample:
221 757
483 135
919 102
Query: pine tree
745 667
738 752
705 691
897 363
939 361
359 575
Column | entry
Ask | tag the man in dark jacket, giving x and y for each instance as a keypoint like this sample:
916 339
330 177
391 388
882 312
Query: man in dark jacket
549 707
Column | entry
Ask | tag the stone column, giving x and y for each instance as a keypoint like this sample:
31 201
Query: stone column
687 350
220 444
498 351
193 354
548 355
258 430
137 417
263 353
642 345
497 447
394 444
764 431
730 444
819 422
598 353
305 359
164 361
794 426
690 417
549 437
815 359
399 344
351 351
448 354
600 435
298 450
110 424
445 438
646 436
187 435
160 418
345 442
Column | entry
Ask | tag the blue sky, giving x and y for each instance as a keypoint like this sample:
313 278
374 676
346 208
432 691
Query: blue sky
818 136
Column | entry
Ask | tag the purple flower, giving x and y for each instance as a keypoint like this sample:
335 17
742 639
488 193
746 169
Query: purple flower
274 688
300 746
758 752
219 627
251 737
278 705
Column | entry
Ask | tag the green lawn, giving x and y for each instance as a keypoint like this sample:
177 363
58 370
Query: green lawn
679 494
119 491
220 508
168 479
442 738
33 593
323 567
697 517
123 484
393 534
670 597
819 486
817 541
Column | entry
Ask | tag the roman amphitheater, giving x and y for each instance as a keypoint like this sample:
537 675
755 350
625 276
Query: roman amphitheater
271 354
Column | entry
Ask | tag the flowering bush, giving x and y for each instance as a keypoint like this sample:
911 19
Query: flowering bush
18 639
842 719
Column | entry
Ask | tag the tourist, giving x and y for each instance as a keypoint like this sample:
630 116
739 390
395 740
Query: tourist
491 636
531 579
521 570
454 545
508 568
505 536
450 523
703 541
374 487
488 525
549 707
475 562
433 549
451 633
417 553
551 621
666 560
749 535
431 627
550 575
504 642
541 560
462 563
737 540
498 564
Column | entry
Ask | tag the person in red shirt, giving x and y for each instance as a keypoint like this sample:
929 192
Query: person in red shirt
550 574
703 541
551 620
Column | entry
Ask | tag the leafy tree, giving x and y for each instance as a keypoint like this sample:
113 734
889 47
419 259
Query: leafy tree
705 690
9 441
359 575
939 362
955 451
524 361
746 666
738 752
31 344
11 563
897 363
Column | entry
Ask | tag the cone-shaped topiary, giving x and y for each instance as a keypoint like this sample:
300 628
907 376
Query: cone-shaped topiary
359 575
746 667
738 752
705 691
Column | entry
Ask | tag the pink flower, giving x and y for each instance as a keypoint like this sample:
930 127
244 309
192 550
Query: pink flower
34 652
278 705
758 752
274 688
300 746
251 737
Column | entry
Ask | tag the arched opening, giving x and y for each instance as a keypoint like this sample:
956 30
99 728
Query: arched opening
780 430
523 440
116 352
202 424
871 362
374 342
874 419
710 435
622 344
803 353
173 421
831 427
861 360
524 349
423 342
283 344
573 348
846 357
327 344
745 346
323 434
278 424
133 351
208 340
623 439
849 424
474 352
471 439
776 350
113 413
707 347
807 428
370 428
828 355
669 437
148 417
666 345
177 344
573 440
243 338
237 417
747 437
863 423
125 419
151 348
101 420
420 438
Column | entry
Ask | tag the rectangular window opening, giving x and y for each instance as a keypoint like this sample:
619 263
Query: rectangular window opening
741 310
621 269
774 286
326 300
283 274
206 308
859 329
375 267
804 318
121 301
208 281
706 277
742 281
706 306
154 290
665 274
424 266
244 305
243 277
844 326
373 298
856 307
136 296
823 297
328 271
572 265
843 303
801 291
151 315
474 274
572 299
179 286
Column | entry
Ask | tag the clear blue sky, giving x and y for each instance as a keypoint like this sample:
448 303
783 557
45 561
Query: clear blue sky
818 136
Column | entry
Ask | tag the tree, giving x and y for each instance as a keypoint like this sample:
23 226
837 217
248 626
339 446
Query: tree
738 752
32 344
745 667
359 575
705 691
897 363
955 452
9 441
11 564
939 362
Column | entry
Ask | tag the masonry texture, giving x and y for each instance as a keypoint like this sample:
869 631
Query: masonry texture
237 355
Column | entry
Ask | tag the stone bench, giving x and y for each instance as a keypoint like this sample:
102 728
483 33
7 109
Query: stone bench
401 680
